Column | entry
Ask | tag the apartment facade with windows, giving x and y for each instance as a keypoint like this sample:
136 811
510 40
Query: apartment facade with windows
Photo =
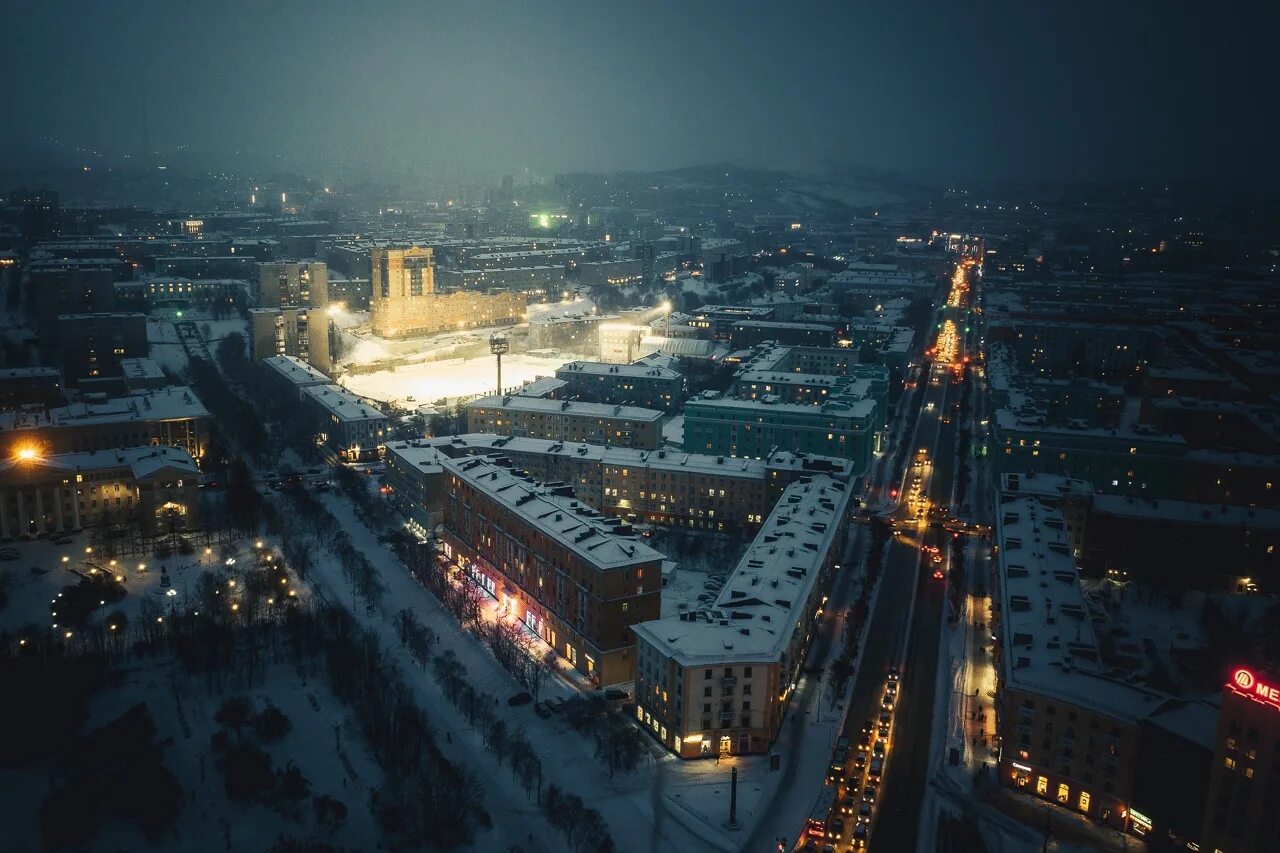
656 486
847 428
719 680
1069 733
577 581
564 420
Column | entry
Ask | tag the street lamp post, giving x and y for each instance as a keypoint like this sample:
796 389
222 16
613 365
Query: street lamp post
499 345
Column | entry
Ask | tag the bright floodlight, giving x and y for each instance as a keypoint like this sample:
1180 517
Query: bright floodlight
27 453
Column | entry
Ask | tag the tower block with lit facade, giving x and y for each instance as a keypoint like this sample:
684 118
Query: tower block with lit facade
405 303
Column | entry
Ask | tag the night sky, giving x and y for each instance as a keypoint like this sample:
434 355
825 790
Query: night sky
1013 90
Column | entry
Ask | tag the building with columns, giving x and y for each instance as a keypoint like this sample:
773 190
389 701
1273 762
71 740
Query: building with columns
155 486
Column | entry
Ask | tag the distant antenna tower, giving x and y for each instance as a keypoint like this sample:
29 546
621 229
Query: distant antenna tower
499 346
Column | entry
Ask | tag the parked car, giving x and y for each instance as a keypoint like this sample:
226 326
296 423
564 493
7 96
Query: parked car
541 709
521 698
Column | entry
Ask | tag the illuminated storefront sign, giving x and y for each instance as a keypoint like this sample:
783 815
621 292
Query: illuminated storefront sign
1245 683
1024 768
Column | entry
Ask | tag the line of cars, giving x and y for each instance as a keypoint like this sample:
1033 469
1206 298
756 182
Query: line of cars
842 816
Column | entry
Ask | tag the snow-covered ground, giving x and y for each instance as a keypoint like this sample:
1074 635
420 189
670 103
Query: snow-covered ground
183 710
667 804
428 381
165 346
40 572
577 306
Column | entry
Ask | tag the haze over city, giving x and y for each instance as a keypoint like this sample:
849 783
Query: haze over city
1096 91
639 427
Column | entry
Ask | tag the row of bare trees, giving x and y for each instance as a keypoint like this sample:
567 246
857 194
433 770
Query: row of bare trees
507 641
508 744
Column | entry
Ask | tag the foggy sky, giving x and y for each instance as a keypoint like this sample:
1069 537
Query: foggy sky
1023 90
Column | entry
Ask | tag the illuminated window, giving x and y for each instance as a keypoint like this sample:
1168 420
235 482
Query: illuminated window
1042 785
1084 801
1064 793
1230 763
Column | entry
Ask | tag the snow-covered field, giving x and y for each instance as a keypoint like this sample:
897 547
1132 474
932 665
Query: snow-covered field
428 381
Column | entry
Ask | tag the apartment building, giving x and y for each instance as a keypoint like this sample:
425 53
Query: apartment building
1069 732
164 417
574 579
650 386
846 428
349 425
656 486
564 420
718 681
404 301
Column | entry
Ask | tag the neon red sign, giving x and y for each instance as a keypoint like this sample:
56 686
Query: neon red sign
1245 683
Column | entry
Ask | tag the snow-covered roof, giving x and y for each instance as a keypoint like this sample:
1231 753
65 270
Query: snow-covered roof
32 372
604 368
1187 512
1049 644
842 407
1044 485
295 370
593 410
142 461
341 403
175 402
140 369
756 612
629 457
543 386
578 528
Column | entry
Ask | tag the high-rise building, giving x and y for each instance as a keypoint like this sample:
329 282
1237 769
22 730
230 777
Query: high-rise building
291 331
91 345
304 284
404 300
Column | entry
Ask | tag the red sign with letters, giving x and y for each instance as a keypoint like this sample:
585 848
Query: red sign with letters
1245 683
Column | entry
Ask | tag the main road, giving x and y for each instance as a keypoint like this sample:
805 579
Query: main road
905 630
